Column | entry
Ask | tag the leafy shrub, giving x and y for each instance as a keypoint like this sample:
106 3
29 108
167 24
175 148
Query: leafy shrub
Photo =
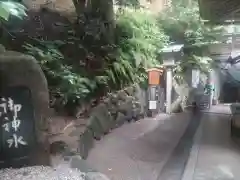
85 64
63 81
183 25
139 38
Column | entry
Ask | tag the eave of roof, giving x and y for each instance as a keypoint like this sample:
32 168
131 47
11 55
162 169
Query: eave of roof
220 11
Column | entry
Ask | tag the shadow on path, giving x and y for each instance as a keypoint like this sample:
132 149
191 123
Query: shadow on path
139 150
175 166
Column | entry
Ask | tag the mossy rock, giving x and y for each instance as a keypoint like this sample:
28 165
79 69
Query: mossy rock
121 95
95 126
86 143
58 147
126 108
101 112
130 91
120 120
113 99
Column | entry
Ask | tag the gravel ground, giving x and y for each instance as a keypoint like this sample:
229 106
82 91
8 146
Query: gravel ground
62 172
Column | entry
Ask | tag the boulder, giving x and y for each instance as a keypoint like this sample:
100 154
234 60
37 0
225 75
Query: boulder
77 131
141 97
58 147
68 154
61 148
130 91
19 70
137 113
120 120
102 114
121 95
95 127
126 107
112 109
113 99
86 142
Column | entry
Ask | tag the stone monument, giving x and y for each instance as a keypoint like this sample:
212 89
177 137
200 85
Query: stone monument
24 110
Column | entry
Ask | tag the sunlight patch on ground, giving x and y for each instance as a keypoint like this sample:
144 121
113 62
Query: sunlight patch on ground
226 171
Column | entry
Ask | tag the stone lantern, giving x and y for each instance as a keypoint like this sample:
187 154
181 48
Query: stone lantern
171 55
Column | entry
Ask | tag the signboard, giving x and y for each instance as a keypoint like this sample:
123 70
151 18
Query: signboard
153 97
16 126
152 105
154 76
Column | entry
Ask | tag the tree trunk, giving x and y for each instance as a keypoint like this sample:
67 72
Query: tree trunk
102 9
80 6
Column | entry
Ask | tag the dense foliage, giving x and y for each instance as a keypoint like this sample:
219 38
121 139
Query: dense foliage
183 25
83 64
139 40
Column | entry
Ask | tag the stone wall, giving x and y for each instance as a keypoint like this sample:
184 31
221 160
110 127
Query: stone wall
124 106
114 111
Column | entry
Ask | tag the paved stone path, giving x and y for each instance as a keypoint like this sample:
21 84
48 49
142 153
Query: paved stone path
139 151
175 166
181 147
214 155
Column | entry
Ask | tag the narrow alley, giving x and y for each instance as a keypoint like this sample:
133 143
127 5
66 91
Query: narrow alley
214 156
177 147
